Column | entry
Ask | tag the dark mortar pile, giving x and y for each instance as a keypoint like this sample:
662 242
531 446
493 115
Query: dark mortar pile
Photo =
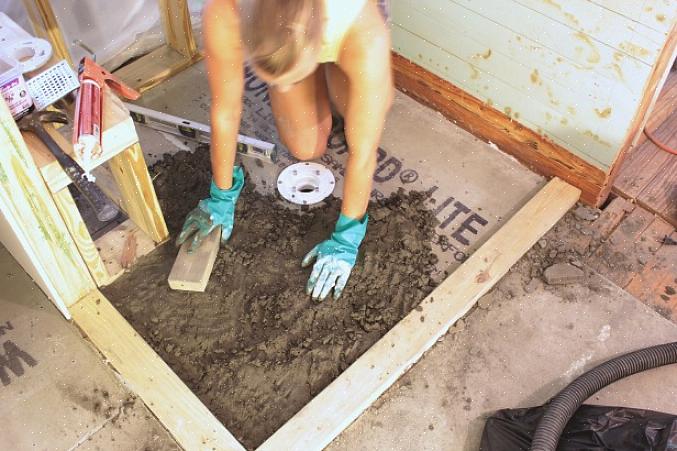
254 347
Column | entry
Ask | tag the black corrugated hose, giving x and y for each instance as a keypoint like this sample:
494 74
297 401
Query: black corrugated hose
563 406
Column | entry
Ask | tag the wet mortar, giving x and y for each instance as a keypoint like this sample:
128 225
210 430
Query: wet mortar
254 347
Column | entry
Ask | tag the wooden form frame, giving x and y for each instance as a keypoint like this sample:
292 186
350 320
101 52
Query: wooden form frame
179 52
531 148
32 228
339 404
132 188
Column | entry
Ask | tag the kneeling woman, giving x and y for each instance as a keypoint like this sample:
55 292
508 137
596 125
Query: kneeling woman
310 53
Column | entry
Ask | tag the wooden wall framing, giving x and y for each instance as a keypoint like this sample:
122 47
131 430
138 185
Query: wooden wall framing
330 412
179 52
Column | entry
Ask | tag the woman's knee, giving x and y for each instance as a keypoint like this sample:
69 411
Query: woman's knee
308 144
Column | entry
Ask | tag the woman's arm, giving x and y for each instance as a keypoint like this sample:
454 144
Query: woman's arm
365 59
225 72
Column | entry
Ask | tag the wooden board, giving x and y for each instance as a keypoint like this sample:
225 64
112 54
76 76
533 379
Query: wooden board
114 243
640 168
616 259
31 227
138 195
155 67
78 230
655 285
665 106
178 30
320 421
489 124
660 194
192 425
191 271
119 134
652 89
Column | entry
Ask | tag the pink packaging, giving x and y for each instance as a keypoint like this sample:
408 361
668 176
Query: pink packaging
13 87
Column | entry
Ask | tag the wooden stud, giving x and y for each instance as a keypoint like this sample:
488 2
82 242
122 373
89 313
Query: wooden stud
83 240
32 228
138 195
46 26
191 271
177 27
156 67
338 405
489 124
191 424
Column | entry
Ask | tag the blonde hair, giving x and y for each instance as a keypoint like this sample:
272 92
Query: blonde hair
275 33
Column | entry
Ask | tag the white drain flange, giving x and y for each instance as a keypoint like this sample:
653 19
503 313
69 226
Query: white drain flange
305 183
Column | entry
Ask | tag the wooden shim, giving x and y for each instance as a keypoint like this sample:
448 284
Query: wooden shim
191 271
138 195
83 240
536 151
191 424
338 405
113 244
155 67
177 27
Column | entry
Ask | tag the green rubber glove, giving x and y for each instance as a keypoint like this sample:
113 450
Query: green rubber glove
335 258
217 210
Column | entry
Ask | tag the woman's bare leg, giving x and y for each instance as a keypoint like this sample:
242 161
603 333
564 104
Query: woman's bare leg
303 115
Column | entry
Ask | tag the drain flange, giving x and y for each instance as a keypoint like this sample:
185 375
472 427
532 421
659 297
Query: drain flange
305 183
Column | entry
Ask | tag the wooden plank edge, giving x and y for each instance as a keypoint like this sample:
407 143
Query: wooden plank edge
532 149
180 62
659 75
177 408
191 272
344 400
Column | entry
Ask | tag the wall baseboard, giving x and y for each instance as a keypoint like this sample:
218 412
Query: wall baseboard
532 149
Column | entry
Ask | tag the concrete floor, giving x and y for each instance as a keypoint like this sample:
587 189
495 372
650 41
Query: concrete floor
56 392
518 353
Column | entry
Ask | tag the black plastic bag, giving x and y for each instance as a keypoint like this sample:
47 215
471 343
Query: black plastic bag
592 428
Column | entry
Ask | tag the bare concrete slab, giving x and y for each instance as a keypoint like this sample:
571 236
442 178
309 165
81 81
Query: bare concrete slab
473 186
518 353
56 393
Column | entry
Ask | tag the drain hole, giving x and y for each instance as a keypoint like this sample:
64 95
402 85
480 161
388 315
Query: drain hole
306 188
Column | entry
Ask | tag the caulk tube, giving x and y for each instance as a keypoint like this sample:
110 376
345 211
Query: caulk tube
87 137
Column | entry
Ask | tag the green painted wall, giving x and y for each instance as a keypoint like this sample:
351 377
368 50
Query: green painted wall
573 70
